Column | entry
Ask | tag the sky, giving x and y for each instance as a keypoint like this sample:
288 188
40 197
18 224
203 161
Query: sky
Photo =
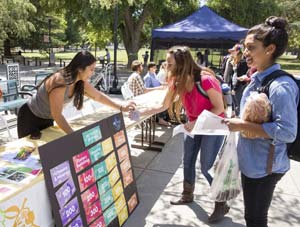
202 2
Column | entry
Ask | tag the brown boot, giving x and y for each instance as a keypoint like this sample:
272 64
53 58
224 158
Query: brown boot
221 208
187 195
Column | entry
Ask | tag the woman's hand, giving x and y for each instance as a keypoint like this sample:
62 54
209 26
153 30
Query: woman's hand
234 124
129 106
189 125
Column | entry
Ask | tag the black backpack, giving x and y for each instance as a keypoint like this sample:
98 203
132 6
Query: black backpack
197 81
293 148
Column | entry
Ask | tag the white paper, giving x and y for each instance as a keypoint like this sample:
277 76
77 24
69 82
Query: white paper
209 124
180 129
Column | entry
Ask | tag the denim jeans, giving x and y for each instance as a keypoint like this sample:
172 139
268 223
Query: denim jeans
210 146
258 194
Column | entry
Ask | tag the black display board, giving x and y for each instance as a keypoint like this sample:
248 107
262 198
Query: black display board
89 175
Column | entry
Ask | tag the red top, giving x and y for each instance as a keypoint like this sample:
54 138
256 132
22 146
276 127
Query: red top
194 103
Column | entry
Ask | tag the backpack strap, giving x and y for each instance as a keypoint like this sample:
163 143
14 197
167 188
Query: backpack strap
265 87
197 80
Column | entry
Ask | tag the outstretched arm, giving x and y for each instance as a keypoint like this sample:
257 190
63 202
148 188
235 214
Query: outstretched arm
98 96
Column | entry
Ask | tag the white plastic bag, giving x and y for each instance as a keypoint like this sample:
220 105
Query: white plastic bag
226 184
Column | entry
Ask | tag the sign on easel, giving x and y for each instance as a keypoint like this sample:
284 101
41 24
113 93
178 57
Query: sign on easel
89 176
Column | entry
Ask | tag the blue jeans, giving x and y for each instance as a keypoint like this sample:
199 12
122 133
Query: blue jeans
210 146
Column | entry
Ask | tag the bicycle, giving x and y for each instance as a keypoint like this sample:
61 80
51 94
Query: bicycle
101 79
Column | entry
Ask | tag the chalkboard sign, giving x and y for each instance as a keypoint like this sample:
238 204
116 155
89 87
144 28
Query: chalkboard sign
89 175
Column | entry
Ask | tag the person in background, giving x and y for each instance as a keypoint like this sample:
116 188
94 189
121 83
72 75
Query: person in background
205 58
182 71
228 68
264 43
107 56
146 57
162 74
135 81
240 68
69 84
200 58
151 82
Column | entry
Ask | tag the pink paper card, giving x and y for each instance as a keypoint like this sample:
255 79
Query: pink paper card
86 179
90 196
93 211
81 161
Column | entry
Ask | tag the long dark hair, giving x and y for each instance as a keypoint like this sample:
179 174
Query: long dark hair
70 73
273 31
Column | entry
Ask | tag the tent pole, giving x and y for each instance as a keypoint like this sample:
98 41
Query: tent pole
151 50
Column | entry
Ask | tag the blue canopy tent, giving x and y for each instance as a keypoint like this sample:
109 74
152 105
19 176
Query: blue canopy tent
202 29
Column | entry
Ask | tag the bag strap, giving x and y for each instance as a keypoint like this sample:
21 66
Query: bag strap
197 80
265 86
270 159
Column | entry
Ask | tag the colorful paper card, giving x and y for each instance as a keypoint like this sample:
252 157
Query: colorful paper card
123 216
77 222
132 202
114 176
119 138
123 153
65 192
81 161
86 179
93 211
107 146
90 196
99 222
103 185
117 190
111 162
100 170
127 178
68 212
109 215
120 203
125 166
60 173
96 152
106 200
91 136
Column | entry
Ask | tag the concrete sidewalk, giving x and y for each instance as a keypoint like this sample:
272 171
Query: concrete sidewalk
159 179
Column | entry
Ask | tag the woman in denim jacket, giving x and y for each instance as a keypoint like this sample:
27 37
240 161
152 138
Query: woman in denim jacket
264 43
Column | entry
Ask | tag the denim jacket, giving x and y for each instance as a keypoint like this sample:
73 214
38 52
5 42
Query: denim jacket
282 129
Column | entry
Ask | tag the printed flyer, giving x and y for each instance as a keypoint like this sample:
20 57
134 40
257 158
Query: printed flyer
89 176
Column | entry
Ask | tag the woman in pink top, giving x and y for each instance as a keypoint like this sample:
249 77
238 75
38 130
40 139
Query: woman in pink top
182 72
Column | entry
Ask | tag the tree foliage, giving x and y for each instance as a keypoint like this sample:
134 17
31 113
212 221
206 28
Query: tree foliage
14 19
291 10
244 12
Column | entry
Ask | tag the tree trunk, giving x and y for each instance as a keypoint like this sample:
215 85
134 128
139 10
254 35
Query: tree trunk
298 55
131 32
7 51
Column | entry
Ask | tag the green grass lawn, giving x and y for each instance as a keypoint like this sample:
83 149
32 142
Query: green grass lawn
288 62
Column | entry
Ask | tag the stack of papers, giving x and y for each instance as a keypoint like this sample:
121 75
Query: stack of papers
207 123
